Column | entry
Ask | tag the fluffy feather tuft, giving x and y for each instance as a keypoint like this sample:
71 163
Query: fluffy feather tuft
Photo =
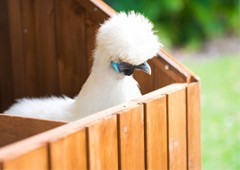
128 37
53 108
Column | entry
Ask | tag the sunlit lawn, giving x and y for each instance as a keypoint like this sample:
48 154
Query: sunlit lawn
220 89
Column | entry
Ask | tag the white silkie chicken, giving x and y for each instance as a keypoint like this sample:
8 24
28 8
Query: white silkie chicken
124 43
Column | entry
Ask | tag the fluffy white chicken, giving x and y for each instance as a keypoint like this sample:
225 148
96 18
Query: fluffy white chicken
124 43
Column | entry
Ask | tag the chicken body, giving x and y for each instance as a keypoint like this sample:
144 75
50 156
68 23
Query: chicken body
123 43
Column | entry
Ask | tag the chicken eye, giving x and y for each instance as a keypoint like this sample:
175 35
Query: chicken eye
129 71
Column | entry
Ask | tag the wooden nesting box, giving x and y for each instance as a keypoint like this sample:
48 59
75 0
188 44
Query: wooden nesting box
45 49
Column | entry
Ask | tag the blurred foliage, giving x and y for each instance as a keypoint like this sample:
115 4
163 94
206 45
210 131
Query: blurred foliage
187 22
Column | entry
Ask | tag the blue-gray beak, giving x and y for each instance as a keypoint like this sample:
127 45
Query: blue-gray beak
128 69
144 67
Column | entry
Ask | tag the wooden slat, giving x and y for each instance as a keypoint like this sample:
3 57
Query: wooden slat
131 138
156 133
103 146
69 152
6 84
29 49
15 27
71 47
91 29
194 126
35 159
177 129
46 47
13 128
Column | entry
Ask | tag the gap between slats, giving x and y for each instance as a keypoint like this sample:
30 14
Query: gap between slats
187 125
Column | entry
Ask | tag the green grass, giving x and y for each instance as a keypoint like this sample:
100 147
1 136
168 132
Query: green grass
220 108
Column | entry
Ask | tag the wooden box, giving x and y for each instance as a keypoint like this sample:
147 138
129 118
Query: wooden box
45 49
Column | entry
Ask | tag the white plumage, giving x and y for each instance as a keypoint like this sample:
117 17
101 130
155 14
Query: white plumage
123 44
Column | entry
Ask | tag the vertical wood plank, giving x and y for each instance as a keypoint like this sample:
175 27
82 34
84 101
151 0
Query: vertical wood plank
177 129
29 48
91 30
194 126
6 84
103 147
15 27
71 47
46 47
36 159
131 138
156 133
69 152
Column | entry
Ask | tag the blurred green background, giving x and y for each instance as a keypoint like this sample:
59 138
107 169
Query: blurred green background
204 35
181 22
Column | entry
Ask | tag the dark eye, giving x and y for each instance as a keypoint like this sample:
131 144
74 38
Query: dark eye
129 71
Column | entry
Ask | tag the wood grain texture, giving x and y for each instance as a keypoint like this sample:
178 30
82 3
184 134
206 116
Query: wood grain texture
91 30
6 83
44 21
177 70
165 74
29 48
36 159
194 126
13 128
69 152
177 144
131 138
156 133
71 47
16 42
103 144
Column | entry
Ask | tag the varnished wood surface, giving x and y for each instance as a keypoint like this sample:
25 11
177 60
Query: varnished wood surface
35 159
103 144
194 126
177 129
69 152
156 133
131 138
46 47
148 133
14 128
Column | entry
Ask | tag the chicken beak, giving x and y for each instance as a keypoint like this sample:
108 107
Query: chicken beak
128 69
144 67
